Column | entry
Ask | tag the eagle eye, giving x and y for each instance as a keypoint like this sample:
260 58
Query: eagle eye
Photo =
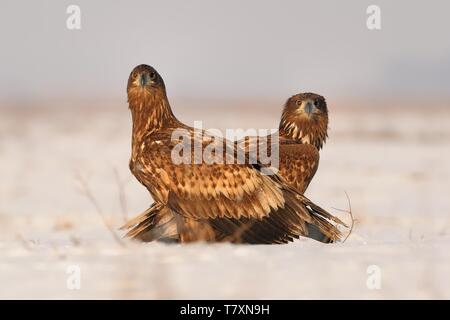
298 102
316 103
152 75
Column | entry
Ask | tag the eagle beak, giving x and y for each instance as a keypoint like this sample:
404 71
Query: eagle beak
143 79
309 107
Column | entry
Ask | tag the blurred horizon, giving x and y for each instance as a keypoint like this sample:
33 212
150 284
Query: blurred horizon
226 50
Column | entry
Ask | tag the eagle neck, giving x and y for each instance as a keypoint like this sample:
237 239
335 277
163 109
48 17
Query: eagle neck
304 131
149 115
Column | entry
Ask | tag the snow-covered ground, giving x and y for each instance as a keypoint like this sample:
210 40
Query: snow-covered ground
392 162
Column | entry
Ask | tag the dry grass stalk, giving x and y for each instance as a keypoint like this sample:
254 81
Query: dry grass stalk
122 197
85 190
350 212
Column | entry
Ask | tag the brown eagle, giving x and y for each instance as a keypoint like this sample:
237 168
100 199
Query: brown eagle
208 201
302 132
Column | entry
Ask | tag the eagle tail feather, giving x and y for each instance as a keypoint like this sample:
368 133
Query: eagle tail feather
156 223
316 223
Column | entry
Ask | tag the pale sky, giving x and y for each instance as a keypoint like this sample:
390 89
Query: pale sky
226 48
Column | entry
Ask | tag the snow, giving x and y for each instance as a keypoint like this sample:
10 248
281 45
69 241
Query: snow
392 163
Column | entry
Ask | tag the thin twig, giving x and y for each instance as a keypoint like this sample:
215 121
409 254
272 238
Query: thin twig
349 211
25 243
87 192
122 197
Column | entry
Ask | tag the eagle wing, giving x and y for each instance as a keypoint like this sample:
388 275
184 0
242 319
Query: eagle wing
206 190
240 203
298 162
155 223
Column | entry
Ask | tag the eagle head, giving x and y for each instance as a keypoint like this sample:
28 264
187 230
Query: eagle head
144 83
305 119
309 106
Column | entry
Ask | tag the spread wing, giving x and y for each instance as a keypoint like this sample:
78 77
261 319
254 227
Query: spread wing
204 190
241 204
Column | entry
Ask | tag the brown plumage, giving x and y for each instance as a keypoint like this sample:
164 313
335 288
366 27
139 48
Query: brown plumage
302 133
209 202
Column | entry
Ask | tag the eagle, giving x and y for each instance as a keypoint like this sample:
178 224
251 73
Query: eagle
302 132
212 202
